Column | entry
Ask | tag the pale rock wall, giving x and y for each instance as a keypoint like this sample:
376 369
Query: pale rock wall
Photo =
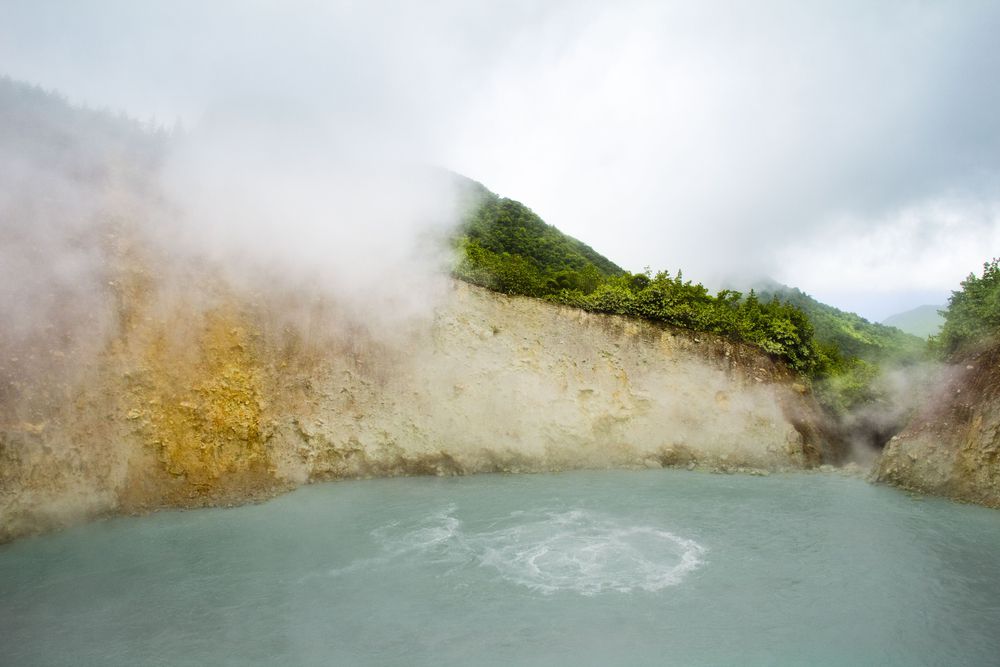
222 399
501 383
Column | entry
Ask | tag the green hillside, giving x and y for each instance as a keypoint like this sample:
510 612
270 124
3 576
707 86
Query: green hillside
922 321
849 334
854 352
508 248
504 246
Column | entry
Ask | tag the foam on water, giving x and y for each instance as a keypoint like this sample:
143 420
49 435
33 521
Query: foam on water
588 553
549 551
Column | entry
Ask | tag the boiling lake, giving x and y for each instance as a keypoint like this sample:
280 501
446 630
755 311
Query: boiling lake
656 567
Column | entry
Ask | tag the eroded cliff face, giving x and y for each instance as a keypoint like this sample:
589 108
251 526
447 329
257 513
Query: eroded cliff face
218 394
952 447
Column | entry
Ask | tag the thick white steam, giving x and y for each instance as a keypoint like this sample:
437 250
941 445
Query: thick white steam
298 208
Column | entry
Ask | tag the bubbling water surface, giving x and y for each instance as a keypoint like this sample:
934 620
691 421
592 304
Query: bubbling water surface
551 550
660 567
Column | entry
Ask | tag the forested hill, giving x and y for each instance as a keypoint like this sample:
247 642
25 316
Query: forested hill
854 352
504 246
43 129
500 243
508 248
848 333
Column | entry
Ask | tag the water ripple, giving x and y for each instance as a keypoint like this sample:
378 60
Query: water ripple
576 550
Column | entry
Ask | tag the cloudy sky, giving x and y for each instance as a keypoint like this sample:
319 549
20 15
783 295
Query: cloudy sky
848 148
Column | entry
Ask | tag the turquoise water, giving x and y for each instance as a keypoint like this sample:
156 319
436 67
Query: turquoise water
588 568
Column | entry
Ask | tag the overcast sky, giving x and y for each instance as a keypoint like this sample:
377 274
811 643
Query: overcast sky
850 149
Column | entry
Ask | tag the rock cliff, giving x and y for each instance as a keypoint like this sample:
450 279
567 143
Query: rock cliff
217 395
952 447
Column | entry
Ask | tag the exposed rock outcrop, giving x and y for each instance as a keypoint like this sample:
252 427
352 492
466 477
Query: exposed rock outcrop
219 395
952 447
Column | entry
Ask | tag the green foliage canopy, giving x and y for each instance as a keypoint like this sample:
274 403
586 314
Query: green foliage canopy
852 352
504 246
776 326
973 313
845 336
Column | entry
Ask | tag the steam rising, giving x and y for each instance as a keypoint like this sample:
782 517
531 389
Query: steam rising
101 215
901 390
774 126
247 309
156 284
215 314
294 207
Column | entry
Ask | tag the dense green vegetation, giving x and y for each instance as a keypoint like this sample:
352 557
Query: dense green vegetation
848 335
509 249
506 247
973 313
853 351
776 326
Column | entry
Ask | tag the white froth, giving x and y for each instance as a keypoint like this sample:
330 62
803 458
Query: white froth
578 551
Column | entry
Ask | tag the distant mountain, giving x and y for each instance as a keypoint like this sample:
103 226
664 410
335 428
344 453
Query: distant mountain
922 321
